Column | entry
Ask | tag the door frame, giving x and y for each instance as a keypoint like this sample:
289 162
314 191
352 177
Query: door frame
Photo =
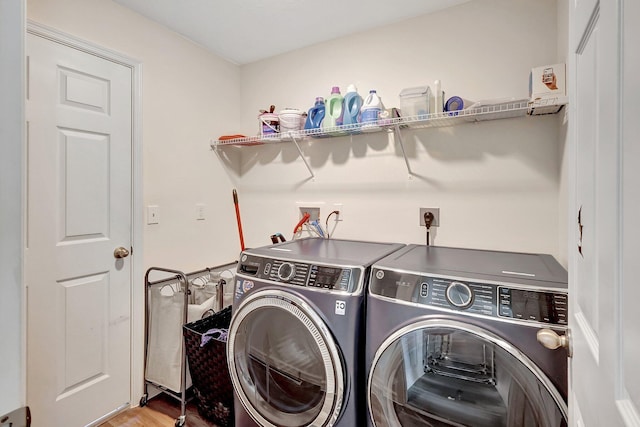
137 264
12 119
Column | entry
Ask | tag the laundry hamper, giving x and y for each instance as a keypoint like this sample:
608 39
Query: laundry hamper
209 368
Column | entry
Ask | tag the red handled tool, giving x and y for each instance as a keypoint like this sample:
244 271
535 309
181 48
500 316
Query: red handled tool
235 202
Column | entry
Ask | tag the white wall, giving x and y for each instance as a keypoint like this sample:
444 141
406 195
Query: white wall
496 183
188 97
12 350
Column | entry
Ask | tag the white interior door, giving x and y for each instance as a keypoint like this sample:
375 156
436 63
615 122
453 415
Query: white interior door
79 187
605 377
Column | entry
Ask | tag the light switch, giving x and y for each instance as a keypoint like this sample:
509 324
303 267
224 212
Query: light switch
200 211
153 214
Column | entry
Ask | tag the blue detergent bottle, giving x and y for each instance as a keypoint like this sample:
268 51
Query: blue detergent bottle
351 106
315 114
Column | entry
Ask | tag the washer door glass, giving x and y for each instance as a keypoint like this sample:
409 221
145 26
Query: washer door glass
285 366
450 374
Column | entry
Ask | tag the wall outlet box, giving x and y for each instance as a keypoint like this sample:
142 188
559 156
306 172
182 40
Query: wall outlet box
314 213
548 81
313 208
436 216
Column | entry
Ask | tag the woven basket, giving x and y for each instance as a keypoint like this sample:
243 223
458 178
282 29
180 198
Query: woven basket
209 369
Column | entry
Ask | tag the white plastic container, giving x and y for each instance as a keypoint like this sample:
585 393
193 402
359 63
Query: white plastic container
290 120
414 102
269 124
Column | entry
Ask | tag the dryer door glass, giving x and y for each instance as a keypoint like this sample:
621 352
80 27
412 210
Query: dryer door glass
448 376
284 365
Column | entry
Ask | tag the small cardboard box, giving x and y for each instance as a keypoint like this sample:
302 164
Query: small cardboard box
548 81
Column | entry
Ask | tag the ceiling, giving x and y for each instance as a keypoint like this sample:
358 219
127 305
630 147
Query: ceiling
244 31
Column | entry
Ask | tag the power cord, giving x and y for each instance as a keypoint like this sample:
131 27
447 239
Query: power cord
428 220
326 222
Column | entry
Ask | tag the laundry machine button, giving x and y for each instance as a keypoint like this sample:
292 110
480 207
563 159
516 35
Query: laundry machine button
286 271
459 294
424 289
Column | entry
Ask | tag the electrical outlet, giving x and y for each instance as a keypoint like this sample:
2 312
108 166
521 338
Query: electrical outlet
314 212
436 216
340 208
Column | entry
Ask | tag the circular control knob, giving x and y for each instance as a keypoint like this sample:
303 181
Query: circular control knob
286 271
459 294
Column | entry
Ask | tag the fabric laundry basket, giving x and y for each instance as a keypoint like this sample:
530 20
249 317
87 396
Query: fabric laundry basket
209 368
164 339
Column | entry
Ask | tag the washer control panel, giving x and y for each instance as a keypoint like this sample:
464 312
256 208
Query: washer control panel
300 273
462 295
514 302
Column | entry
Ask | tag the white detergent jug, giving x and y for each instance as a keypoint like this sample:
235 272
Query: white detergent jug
370 111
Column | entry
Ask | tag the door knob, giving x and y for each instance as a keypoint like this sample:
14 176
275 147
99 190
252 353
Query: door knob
551 340
121 252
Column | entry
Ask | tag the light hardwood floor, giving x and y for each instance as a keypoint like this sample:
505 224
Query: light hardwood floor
160 411
141 417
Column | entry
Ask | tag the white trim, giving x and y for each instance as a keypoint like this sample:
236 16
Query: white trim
591 337
80 44
12 119
137 262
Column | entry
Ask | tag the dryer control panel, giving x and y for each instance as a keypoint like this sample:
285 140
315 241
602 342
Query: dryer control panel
509 301
529 304
296 273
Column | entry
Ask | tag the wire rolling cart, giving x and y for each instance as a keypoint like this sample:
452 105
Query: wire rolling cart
177 315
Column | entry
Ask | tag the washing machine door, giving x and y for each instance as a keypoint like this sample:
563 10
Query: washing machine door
285 366
448 373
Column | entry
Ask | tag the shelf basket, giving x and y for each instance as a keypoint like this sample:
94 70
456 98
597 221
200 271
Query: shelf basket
209 368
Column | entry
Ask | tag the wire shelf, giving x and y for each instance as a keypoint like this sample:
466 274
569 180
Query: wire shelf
490 111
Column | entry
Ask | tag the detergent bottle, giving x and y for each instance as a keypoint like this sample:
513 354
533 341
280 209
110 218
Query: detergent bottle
351 106
333 110
370 111
315 114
